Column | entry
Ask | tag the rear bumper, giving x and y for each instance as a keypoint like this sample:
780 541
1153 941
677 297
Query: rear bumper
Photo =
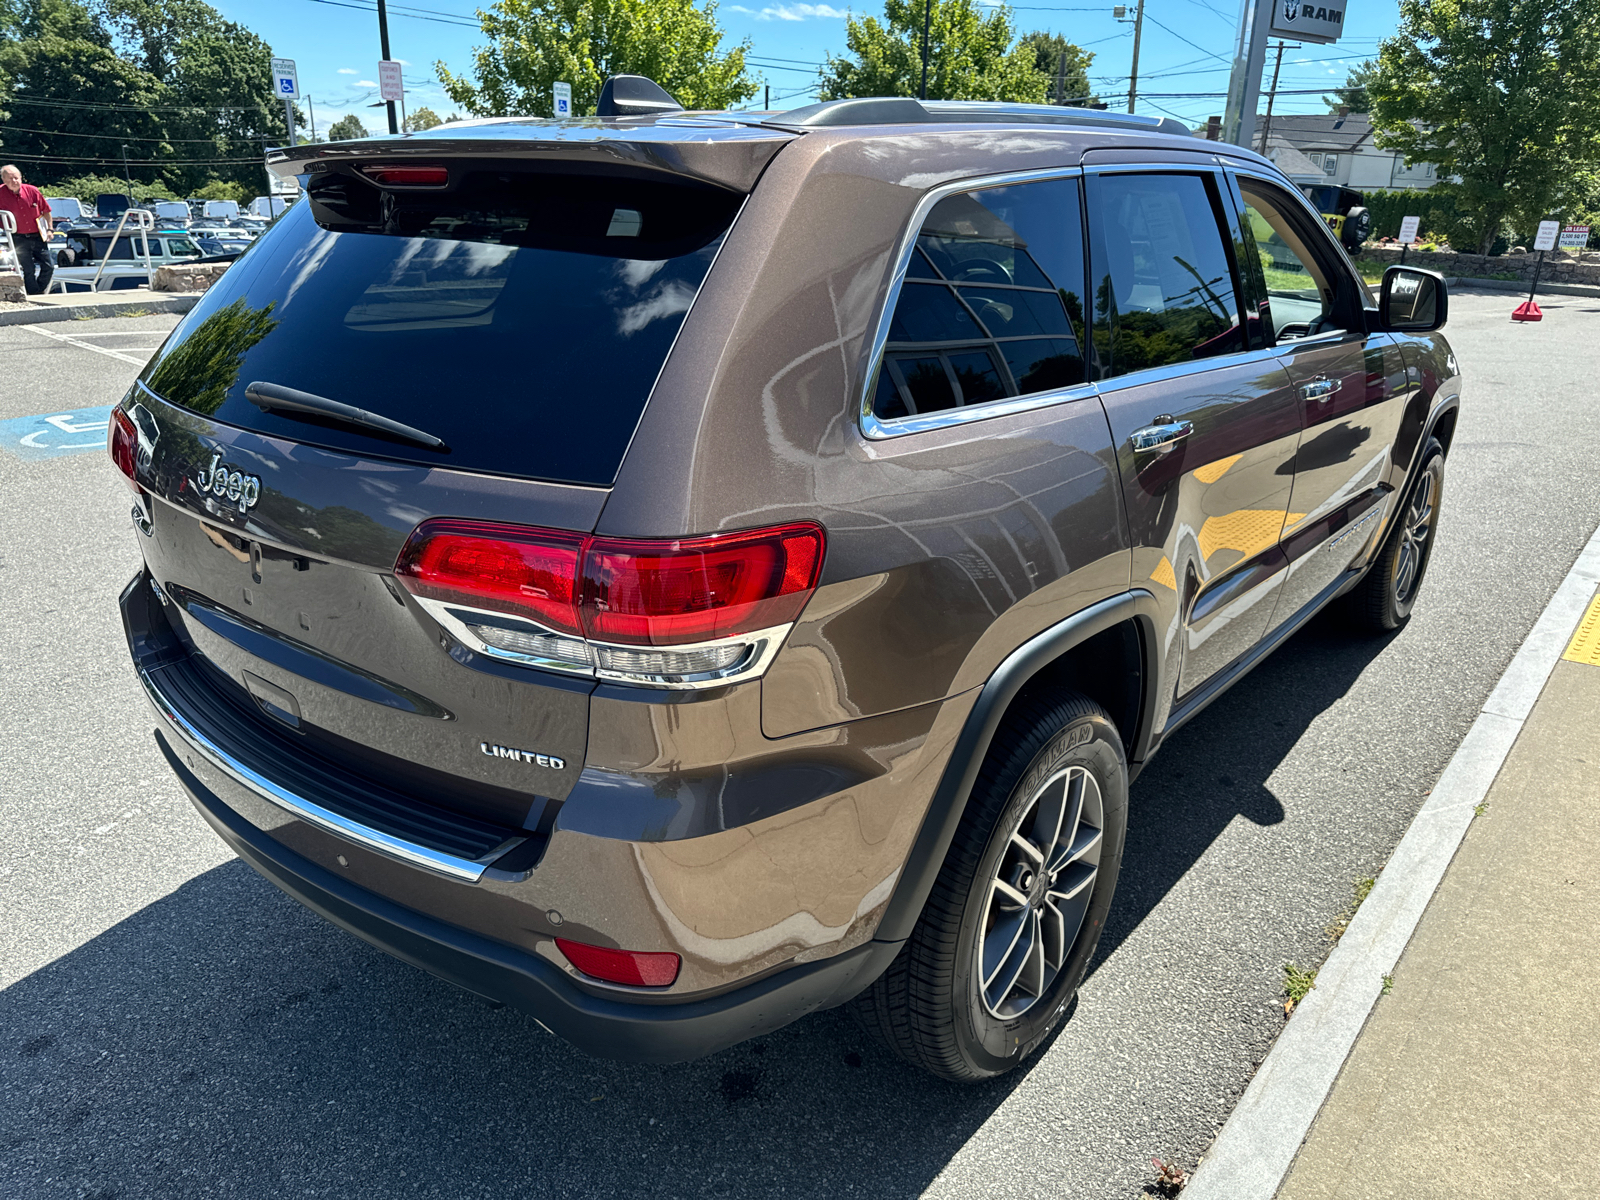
653 1029
603 1027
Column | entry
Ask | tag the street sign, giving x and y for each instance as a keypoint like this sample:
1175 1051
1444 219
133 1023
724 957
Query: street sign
563 94
1307 22
1408 230
285 80
1546 238
1574 237
390 84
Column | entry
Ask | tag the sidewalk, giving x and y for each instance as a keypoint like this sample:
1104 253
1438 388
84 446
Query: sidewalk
72 306
1478 1073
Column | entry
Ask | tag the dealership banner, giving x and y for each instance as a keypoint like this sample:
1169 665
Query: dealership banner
1303 22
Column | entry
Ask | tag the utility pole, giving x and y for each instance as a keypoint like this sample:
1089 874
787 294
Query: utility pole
1272 94
927 20
313 109
766 100
383 41
1120 13
1061 76
129 178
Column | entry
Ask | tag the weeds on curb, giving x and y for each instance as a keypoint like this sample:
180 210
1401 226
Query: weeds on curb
1361 889
1388 985
1297 984
1479 809
83 316
1170 1179
136 312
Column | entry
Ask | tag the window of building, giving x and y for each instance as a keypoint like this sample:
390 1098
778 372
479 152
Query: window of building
1316 159
1330 164
992 302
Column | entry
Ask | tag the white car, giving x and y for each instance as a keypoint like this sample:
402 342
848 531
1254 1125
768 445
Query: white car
125 268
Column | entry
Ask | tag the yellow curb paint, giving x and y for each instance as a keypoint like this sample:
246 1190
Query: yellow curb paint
1585 644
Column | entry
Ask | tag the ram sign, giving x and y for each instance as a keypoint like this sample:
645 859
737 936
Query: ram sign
1307 22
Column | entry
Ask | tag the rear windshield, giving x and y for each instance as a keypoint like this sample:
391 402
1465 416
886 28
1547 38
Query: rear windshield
521 318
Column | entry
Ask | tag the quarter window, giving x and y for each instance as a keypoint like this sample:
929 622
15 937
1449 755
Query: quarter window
992 302
1165 290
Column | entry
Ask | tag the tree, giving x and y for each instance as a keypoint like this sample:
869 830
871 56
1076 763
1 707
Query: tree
534 43
1353 95
225 189
345 128
1499 94
64 52
423 118
1048 51
971 55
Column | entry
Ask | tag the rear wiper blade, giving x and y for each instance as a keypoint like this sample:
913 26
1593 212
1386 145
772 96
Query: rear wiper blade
270 396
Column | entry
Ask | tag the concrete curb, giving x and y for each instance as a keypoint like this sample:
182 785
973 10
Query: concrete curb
44 315
1255 1149
1512 285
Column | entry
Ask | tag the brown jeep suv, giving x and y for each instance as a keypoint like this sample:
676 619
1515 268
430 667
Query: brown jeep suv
674 572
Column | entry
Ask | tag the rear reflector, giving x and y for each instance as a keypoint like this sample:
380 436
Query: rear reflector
633 967
621 591
122 439
391 175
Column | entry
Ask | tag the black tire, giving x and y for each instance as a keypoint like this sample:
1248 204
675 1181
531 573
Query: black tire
1357 225
1383 600
931 1007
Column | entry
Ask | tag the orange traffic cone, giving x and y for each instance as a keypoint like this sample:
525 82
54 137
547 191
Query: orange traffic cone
1527 311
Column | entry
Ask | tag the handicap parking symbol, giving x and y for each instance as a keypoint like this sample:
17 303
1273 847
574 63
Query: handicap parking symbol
52 435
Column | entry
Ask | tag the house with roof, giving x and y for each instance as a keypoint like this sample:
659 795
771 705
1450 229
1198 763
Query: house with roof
1339 148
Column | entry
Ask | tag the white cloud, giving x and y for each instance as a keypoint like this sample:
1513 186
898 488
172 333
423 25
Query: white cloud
348 71
365 83
796 12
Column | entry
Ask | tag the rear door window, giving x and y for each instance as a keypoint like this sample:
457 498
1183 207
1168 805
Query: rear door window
521 317
992 303
1164 290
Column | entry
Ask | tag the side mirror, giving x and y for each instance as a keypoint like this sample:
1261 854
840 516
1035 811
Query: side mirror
1412 300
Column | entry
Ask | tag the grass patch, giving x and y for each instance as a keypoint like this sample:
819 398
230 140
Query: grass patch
83 316
1371 269
1297 985
135 312
1360 890
1388 984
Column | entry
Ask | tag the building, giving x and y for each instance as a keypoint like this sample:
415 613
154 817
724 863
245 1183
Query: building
1341 147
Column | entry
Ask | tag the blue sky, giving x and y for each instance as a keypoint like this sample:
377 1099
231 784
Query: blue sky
1185 48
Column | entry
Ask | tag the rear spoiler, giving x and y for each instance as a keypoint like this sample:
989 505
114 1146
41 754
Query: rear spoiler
728 154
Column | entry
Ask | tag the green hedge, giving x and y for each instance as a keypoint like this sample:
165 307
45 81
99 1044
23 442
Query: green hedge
1438 212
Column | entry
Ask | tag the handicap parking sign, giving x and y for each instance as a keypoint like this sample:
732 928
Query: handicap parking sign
52 435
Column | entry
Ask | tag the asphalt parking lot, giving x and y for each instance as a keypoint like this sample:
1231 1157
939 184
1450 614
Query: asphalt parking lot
172 1026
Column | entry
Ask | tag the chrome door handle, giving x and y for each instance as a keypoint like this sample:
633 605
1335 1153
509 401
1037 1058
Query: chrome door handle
1160 437
1320 389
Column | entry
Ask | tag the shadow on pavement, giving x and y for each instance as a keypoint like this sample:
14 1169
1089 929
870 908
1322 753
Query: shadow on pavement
223 1041
1216 767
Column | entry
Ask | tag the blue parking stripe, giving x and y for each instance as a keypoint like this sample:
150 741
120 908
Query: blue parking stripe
52 435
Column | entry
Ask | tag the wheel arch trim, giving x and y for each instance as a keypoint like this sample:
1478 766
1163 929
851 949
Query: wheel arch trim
972 744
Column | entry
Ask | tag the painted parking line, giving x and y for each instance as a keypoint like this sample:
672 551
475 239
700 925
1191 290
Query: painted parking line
136 360
53 435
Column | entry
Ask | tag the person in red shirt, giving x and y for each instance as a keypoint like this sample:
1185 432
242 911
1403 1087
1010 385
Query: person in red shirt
27 204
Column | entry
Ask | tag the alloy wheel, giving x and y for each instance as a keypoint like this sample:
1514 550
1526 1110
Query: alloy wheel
1039 893
1414 537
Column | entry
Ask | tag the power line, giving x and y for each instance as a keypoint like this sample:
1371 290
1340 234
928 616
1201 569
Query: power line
117 161
144 108
117 137
1186 41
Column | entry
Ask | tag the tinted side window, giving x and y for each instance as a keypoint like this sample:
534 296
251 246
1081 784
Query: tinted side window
1164 287
992 304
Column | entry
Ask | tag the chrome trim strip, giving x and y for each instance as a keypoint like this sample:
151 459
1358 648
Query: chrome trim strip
1194 366
311 813
763 644
1213 166
875 429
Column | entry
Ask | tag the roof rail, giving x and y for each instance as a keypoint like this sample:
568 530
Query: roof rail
901 110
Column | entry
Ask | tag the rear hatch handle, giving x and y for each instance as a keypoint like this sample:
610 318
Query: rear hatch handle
270 396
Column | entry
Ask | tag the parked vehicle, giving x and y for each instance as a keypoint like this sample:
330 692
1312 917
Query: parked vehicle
80 258
66 208
1345 210
268 206
224 210
823 518
111 205
174 214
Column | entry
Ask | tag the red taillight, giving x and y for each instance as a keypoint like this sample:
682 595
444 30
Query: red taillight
504 568
634 967
653 593
619 590
123 441
402 176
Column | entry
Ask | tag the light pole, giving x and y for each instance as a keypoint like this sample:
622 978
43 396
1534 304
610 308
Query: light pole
125 174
